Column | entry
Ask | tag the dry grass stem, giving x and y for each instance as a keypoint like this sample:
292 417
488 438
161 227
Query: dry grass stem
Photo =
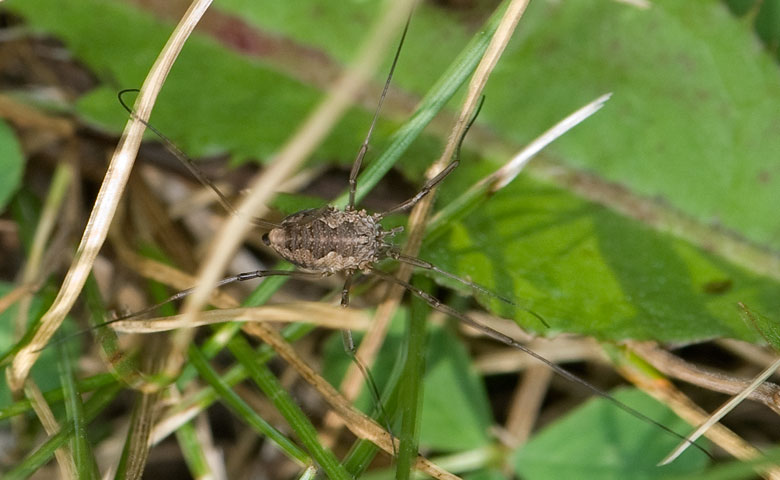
31 274
504 175
26 117
561 349
721 412
107 200
137 443
666 393
318 313
355 420
46 416
754 354
675 367
14 295
213 455
557 350
526 404
489 60
173 420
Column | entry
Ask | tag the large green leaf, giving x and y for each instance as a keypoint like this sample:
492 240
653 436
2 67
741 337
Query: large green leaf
586 269
455 405
694 119
691 127
215 100
598 441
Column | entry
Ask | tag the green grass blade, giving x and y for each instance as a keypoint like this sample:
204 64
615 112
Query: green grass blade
81 450
205 397
287 406
223 333
57 395
192 451
360 457
411 388
199 360
96 403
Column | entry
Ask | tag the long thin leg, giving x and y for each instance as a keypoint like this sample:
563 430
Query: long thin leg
241 277
345 290
187 161
235 278
431 184
351 351
505 339
346 335
417 262
425 190
364 147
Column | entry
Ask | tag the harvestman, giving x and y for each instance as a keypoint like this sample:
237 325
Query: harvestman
325 241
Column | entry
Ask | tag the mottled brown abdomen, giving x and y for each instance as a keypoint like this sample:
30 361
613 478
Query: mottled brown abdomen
328 240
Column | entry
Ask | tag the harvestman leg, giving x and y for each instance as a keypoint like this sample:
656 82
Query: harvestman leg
351 351
241 277
346 335
364 147
194 170
425 190
431 184
417 262
437 304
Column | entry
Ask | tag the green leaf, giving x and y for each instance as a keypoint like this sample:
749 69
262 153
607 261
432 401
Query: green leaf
485 475
321 25
215 99
683 130
693 120
455 407
11 164
586 269
765 19
598 441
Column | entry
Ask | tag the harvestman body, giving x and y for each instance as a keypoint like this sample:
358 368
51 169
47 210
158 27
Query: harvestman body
325 241
329 240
